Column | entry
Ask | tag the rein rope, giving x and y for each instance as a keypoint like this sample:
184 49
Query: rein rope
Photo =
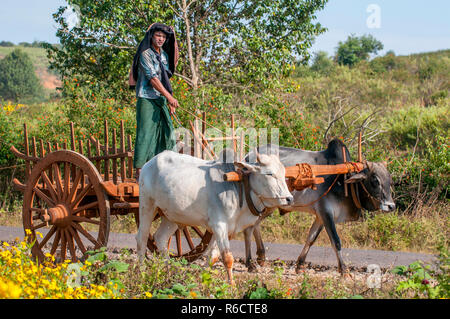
322 196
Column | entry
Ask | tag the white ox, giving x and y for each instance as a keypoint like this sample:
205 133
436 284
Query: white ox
191 191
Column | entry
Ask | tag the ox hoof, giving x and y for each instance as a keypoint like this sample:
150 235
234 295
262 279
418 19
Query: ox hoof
261 262
300 269
251 267
213 260
347 276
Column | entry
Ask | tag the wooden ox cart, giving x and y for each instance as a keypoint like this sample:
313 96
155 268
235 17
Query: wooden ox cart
73 192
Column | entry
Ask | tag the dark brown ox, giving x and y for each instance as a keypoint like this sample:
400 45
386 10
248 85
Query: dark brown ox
373 185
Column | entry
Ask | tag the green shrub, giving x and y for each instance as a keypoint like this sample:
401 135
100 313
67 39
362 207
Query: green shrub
322 64
406 126
17 77
423 281
393 231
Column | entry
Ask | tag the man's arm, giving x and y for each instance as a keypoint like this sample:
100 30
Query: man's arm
151 74
157 85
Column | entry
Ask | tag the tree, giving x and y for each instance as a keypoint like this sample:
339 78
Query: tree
356 49
6 44
17 77
226 43
322 63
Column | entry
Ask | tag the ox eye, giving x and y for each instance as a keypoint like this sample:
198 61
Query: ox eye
375 182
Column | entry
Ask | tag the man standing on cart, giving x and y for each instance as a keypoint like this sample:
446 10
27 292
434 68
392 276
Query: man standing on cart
153 65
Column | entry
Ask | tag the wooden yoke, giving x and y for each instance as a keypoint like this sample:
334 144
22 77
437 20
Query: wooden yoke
304 175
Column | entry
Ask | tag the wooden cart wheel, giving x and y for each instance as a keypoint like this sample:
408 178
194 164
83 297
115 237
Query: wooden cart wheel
194 252
64 193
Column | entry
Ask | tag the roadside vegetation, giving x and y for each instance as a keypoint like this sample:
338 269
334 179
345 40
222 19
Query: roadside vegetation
105 276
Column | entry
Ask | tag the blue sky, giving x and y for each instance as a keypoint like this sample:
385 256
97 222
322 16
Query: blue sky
404 26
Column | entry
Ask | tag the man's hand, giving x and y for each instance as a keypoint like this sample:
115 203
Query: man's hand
173 104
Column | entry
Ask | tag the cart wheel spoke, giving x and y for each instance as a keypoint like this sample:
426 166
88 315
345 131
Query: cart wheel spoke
66 180
198 231
63 245
49 186
85 220
179 247
84 207
187 235
76 182
58 180
84 232
72 250
169 242
47 237
81 195
44 197
77 239
38 226
55 242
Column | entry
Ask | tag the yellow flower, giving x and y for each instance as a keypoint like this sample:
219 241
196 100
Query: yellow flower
39 234
5 244
193 294
148 294
8 289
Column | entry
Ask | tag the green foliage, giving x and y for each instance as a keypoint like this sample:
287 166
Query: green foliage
386 63
424 281
6 44
424 138
258 290
322 63
392 231
415 125
356 49
17 77
230 45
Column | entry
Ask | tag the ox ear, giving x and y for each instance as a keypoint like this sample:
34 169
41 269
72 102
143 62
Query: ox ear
356 178
245 167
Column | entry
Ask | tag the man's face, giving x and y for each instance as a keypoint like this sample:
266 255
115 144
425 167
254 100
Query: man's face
159 38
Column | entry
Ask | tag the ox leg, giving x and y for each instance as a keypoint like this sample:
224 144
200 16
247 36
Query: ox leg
330 227
212 251
221 232
147 212
260 250
162 235
248 249
314 232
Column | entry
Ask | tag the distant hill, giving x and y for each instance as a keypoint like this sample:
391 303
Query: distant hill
38 56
